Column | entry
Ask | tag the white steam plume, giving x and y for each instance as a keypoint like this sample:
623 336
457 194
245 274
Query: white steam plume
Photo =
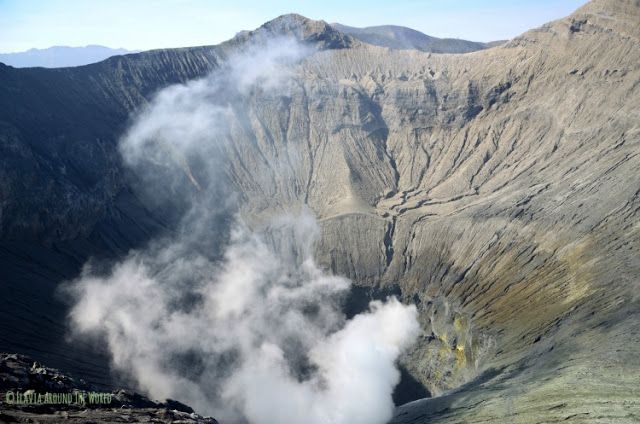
253 333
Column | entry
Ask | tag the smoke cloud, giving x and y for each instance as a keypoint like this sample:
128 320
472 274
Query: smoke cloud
238 323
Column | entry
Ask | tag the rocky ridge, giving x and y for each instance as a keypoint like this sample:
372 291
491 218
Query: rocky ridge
496 189
22 380
397 37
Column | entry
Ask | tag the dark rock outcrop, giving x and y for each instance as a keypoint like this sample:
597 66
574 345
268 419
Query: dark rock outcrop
25 385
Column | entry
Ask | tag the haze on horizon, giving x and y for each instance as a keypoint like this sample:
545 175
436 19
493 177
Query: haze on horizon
147 25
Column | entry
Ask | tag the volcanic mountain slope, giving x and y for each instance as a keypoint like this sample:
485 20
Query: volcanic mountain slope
497 189
398 37
64 194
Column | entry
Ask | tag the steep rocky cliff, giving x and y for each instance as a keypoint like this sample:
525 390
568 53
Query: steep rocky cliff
498 190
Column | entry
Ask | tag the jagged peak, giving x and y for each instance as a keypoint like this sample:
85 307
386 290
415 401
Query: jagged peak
316 32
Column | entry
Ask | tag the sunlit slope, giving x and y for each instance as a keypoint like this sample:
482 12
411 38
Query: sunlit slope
498 189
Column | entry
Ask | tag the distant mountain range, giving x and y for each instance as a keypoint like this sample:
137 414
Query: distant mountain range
398 37
392 36
60 56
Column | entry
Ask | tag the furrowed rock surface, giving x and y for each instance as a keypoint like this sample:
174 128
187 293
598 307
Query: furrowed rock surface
498 190
64 194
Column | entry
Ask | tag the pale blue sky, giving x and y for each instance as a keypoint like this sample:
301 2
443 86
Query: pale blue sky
146 24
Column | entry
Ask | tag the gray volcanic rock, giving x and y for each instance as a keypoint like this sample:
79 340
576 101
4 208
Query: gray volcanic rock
497 190
317 33
59 128
20 374
398 37
59 132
